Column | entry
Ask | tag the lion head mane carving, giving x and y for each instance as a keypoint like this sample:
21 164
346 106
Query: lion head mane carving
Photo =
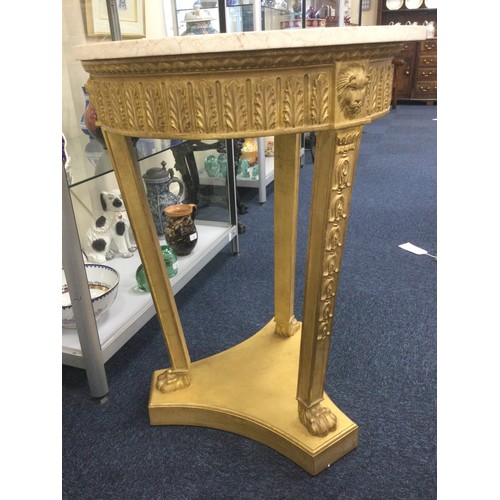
352 85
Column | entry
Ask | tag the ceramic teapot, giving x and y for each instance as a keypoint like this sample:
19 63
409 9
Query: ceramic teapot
431 29
158 182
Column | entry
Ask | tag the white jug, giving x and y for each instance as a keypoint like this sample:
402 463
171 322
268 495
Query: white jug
431 29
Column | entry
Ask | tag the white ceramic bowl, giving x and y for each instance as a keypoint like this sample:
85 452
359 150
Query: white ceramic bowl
103 286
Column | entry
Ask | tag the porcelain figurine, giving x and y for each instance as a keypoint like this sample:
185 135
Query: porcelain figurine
110 229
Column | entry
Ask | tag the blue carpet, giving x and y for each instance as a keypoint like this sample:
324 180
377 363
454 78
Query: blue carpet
382 368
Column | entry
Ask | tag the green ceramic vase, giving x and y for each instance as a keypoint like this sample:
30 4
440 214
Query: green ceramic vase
170 262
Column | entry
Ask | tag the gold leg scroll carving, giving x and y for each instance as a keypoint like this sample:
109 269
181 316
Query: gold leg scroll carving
134 196
336 155
286 200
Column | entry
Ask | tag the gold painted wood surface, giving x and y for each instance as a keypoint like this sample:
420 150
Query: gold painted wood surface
249 94
332 85
286 205
250 390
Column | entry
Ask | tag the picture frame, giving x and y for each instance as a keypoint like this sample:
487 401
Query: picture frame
130 14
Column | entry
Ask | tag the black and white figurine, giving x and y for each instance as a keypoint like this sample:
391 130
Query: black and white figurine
112 229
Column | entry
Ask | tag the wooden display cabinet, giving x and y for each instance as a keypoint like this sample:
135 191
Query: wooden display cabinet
416 75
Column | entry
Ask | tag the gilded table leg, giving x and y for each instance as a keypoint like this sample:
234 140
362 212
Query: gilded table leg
134 195
286 192
336 155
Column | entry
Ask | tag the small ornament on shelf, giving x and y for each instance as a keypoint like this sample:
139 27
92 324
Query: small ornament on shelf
158 183
111 228
180 230
171 264
199 22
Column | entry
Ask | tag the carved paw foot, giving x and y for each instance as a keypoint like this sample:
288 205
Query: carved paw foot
169 381
287 330
319 421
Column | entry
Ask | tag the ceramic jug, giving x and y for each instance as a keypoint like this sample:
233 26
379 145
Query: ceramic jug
431 29
180 230
158 181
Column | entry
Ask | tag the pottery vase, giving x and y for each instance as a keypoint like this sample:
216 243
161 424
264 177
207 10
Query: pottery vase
171 264
180 230
243 167
158 182
250 150
212 166
222 161
255 171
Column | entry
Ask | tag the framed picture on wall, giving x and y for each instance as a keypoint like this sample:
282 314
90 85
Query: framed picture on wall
130 14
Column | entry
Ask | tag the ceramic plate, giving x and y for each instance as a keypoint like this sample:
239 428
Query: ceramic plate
431 4
413 4
394 4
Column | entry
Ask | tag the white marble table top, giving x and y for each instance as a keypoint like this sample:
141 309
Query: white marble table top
250 40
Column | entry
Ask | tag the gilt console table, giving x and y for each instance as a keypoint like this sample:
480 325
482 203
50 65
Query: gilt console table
331 81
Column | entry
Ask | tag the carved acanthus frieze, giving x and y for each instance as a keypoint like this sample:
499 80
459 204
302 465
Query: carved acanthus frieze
235 110
281 100
293 103
265 104
171 107
319 100
380 88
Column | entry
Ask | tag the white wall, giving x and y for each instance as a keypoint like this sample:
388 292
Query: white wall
85 198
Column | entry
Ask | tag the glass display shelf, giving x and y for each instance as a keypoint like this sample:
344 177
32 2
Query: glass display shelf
276 15
216 224
133 308
89 172
90 160
239 17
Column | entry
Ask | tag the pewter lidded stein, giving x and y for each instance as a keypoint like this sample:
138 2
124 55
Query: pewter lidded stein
158 181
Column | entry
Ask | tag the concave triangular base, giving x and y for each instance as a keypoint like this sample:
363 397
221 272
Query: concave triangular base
250 390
